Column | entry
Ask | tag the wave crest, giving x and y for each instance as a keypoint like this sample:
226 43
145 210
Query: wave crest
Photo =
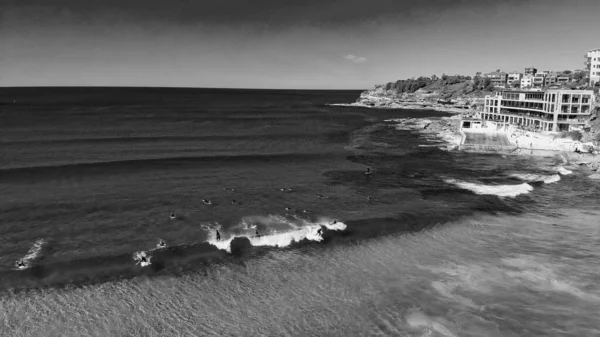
497 190
275 231
546 179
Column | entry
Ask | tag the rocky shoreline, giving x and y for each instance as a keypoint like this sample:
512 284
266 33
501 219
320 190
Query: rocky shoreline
446 129
379 97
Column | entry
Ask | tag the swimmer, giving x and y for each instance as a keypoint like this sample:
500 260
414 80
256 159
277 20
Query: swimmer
233 202
228 189
320 196
288 209
206 201
334 222
368 171
173 216
257 233
20 264
218 235
369 199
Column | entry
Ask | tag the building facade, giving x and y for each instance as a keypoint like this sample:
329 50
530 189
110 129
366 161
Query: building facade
513 77
539 80
527 81
530 71
592 66
551 110
551 78
498 79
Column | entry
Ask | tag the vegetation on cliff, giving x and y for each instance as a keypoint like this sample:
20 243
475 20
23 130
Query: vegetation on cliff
445 92
451 86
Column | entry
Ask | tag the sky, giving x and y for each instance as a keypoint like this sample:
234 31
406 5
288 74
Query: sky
288 44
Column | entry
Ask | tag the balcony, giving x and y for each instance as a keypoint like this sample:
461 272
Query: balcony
571 120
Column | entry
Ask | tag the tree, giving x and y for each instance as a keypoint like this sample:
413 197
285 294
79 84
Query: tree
578 76
487 84
567 72
516 84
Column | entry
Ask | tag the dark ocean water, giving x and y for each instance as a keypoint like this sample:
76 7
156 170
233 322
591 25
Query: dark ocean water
433 243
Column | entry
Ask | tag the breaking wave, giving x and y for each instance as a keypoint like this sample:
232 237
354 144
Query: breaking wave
497 190
32 254
529 177
562 170
273 231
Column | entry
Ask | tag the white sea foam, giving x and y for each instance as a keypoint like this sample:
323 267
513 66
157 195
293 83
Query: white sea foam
296 231
547 179
417 319
32 254
497 190
562 170
137 257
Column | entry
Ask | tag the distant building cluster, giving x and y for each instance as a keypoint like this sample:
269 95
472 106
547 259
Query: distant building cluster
539 101
533 79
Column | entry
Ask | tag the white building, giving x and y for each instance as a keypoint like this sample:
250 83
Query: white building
527 81
514 77
592 64
550 110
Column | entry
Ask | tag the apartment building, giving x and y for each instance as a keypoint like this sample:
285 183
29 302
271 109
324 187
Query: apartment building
551 78
498 79
539 80
513 77
530 71
592 66
527 81
551 110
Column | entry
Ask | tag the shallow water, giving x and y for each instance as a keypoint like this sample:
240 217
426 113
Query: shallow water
450 244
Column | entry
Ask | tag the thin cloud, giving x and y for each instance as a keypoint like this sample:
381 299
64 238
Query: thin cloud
355 59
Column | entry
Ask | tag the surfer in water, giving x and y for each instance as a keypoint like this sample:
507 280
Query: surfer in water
162 244
20 264
368 171
143 259
206 201
173 216
320 232
334 222
320 196
257 233
218 235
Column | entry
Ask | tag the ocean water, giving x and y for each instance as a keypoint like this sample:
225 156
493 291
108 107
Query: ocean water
433 243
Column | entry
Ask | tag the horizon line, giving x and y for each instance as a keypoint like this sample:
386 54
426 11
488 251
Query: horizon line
171 87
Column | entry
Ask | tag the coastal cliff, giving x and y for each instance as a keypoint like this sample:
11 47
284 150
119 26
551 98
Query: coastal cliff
458 94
